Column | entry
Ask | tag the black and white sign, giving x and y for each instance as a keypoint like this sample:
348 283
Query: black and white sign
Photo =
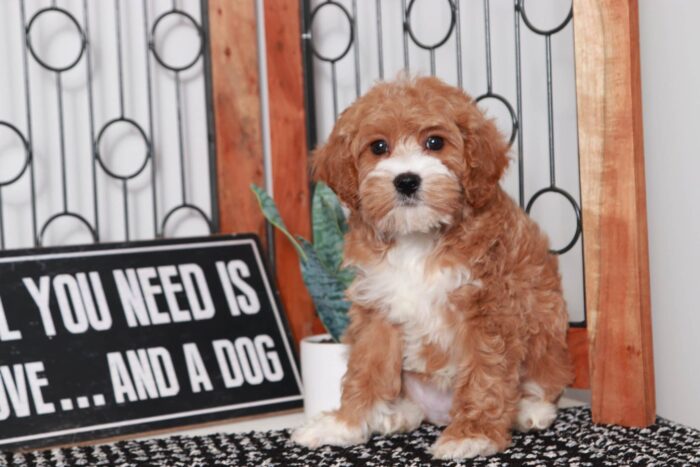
113 339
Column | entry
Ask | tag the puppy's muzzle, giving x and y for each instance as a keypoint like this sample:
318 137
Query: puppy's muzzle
407 183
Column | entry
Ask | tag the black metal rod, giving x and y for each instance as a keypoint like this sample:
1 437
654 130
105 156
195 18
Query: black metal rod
309 88
432 62
211 125
519 107
62 142
487 40
125 201
380 46
334 84
149 92
406 63
459 46
356 50
120 65
550 109
30 139
91 116
180 138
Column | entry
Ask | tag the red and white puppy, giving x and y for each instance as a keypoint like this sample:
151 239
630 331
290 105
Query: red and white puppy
457 311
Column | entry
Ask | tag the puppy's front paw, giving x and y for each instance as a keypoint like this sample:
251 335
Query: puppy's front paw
327 429
463 448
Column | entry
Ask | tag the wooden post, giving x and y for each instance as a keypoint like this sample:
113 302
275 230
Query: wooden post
237 111
577 340
290 168
236 95
606 36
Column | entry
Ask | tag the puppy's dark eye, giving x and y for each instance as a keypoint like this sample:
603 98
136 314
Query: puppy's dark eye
379 147
434 143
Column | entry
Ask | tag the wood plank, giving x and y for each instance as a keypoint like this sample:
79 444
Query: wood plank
577 339
236 95
290 169
606 37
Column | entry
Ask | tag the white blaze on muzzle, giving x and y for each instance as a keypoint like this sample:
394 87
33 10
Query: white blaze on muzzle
413 209
411 162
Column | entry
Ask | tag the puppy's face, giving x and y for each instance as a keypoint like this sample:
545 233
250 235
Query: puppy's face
409 155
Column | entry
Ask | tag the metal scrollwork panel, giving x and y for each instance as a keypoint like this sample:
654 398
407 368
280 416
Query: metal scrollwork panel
83 79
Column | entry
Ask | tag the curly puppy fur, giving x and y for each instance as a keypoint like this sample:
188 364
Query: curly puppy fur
457 311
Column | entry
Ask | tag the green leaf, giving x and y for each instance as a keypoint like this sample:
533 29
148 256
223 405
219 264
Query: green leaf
327 291
320 263
269 210
329 228
346 276
328 224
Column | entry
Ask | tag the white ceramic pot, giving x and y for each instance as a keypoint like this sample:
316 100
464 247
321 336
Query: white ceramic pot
323 365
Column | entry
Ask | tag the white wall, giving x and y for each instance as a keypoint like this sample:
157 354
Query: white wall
670 55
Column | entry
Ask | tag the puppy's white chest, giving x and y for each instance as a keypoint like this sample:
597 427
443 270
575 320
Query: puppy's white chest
411 294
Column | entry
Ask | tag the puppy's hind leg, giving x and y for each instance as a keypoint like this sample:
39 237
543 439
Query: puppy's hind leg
546 377
535 412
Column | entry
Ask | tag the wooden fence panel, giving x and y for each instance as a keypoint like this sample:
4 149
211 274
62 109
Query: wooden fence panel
290 168
236 95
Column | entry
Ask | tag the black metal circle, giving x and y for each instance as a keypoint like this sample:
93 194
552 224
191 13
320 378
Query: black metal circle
180 208
407 26
520 6
511 111
574 204
146 141
347 15
27 154
72 215
83 40
152 43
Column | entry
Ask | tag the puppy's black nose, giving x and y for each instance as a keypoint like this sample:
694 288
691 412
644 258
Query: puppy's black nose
407 183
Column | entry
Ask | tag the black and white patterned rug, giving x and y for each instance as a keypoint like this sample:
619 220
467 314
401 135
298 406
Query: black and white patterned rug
572 440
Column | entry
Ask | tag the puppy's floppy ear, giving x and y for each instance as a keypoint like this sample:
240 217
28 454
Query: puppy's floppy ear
334 164
485 154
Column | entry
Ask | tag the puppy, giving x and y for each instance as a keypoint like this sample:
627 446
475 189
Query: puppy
457 312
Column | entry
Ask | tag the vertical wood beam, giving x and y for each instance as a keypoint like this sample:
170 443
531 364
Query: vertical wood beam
289 151
613 194
236 96
577 340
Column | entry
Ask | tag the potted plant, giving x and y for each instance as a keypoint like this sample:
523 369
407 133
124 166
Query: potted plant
323 357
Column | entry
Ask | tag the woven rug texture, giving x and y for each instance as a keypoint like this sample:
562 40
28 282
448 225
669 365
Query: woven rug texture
572 440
